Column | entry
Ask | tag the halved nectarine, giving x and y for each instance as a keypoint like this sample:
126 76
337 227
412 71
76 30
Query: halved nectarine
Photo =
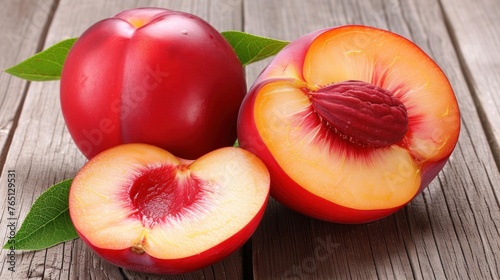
141 208
352 122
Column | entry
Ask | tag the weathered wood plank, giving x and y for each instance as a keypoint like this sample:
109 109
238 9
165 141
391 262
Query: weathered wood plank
23 27
474 28
42 152
23 24
450 231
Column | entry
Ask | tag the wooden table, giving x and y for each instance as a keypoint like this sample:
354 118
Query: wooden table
450 231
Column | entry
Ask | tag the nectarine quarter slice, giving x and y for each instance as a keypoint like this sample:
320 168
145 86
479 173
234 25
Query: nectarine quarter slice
352 122
142 208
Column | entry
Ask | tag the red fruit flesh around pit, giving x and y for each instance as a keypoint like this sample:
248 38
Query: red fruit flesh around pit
141 208
158 194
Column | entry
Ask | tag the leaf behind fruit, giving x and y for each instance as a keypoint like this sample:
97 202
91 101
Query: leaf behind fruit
45 65
252 48
48 222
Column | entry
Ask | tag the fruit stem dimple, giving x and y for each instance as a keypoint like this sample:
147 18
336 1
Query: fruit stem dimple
137 249
361 113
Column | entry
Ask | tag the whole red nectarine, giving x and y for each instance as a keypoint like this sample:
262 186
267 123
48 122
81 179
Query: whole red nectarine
155 76
352 122
142 208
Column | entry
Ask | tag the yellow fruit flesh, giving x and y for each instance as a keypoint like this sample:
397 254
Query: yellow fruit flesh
326 165
237 184
314 156
393 63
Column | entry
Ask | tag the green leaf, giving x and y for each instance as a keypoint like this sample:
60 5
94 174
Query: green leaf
252 48
48 223
45 65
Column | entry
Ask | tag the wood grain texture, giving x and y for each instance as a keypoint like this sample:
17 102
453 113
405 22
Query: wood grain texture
23 32
473 25
450 231
42 152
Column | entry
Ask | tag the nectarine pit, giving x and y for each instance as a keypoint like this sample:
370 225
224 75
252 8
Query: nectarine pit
164 192
361 113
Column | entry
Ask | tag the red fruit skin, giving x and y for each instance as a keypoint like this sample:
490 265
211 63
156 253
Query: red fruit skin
283 188
173 82
144 263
